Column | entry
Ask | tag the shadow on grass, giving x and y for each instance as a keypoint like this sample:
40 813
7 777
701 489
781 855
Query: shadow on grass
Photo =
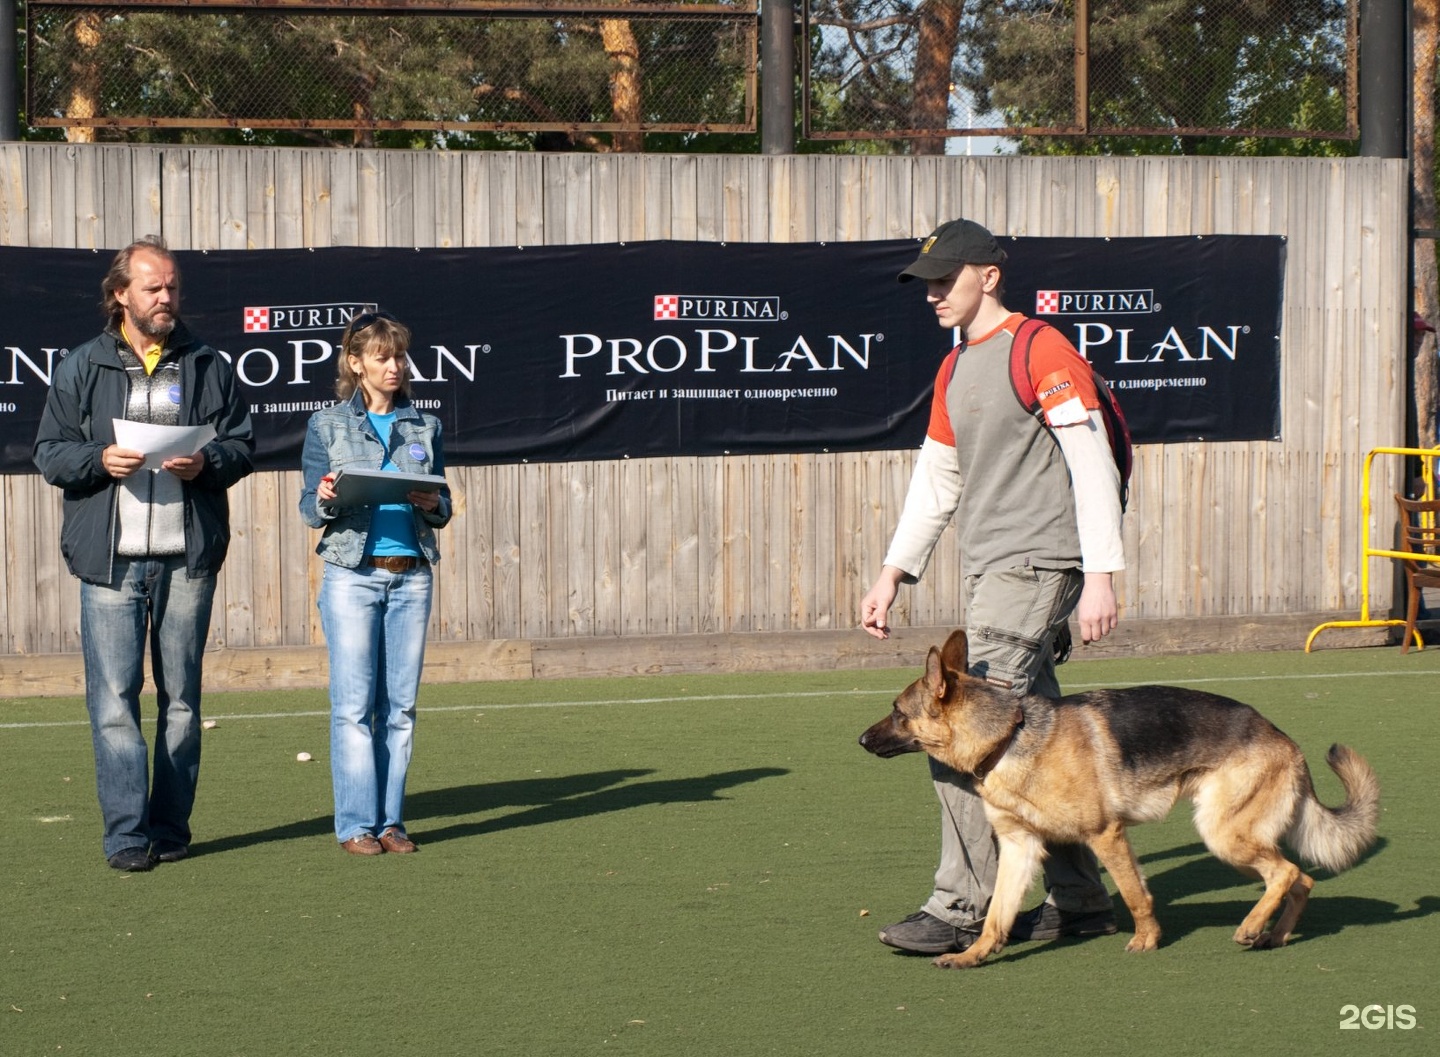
552 800
548 800
1324 916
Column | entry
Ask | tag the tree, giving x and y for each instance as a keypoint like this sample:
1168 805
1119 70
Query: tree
1153 64
1426 15
1167 64
268 66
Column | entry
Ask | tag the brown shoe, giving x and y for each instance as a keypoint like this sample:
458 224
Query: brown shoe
363 845
395 842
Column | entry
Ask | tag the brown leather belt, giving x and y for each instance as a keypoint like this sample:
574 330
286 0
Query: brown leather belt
395 563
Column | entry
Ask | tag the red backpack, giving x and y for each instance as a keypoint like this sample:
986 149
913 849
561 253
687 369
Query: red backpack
1116 431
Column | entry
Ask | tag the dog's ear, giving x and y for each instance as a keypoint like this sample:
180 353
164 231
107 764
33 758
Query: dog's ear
934 673
956 653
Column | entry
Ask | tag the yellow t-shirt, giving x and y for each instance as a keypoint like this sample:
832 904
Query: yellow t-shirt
149 356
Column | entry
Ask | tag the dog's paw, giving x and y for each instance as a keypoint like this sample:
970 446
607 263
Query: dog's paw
1139 944
964 960
1268 941
1246 938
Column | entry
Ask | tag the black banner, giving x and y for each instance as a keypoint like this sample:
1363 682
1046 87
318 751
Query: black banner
677 348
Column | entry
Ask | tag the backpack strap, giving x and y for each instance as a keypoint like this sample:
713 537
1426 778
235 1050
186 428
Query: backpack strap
1020 381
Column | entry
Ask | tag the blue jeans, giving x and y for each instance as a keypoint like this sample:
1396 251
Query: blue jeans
154 599
375 623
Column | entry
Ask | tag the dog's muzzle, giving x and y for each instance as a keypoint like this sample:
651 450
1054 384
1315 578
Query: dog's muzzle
889 738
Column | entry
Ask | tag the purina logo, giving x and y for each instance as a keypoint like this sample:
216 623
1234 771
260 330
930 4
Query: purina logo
290 318
1095 302
714 308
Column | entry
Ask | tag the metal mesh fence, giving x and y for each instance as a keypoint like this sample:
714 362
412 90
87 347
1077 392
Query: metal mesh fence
614 67
926 69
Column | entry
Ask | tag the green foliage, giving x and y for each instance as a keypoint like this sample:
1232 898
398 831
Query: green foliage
1154 64
308 69
1161 64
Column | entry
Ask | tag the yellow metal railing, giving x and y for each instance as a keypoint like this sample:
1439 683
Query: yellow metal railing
1427 457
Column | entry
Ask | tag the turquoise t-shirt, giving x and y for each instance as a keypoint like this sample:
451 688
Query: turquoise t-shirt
392 525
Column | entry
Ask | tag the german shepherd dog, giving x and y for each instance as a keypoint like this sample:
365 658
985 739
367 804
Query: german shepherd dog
1081 769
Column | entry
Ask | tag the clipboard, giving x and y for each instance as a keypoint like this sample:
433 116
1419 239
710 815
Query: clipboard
372 487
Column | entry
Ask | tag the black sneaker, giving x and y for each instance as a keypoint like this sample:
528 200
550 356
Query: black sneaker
923 933
132 860
1049 922
170 852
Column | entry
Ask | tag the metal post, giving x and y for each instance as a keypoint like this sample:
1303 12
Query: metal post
777 77
1384 81
9 74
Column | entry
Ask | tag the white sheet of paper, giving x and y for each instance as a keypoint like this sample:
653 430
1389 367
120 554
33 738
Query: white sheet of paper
158 443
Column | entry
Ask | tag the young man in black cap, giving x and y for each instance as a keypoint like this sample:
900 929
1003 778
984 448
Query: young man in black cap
1037 508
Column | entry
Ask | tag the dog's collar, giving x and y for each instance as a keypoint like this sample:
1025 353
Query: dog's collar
990 762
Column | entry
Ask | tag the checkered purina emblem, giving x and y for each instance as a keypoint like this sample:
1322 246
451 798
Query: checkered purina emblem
257 319
1047 302
667 306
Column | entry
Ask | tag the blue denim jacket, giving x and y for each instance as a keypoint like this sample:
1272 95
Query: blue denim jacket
340 437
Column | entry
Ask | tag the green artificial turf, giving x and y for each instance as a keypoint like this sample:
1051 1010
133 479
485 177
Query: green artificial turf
678 865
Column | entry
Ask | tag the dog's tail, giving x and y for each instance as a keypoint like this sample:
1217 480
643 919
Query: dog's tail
1335 838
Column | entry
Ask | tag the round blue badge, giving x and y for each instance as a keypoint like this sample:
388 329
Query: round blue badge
174 394
417 452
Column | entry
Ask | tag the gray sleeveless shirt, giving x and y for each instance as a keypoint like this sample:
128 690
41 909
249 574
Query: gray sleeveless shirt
1018 506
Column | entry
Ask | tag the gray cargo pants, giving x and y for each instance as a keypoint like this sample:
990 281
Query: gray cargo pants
1009 619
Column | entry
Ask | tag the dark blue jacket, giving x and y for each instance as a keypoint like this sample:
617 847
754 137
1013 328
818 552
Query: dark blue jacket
88 390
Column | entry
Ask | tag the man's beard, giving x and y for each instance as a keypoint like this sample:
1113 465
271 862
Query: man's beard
153 328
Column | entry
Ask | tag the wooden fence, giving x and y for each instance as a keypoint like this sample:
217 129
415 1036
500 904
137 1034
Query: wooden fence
628 563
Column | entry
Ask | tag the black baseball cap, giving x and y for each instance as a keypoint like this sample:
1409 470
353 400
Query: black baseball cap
952 244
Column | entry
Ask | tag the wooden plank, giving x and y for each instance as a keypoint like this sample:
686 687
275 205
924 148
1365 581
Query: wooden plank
259 197
658 191
634 543
769 189
386 197
440 213
710 545
686 573
175 216
802 546
14 199
88 182
711 217
205 214
575 195
684 198
233 181
631 210
605 195
450 606
607 517
738 546
292 226
316 194
554 533
527 193
470 539
534 568
349 224
507 555
577 480
118 207
40 198
659 547
65 224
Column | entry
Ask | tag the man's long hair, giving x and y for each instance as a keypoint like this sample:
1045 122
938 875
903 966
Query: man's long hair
119 276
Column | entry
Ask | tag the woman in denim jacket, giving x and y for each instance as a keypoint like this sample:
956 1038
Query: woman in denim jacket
375 598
